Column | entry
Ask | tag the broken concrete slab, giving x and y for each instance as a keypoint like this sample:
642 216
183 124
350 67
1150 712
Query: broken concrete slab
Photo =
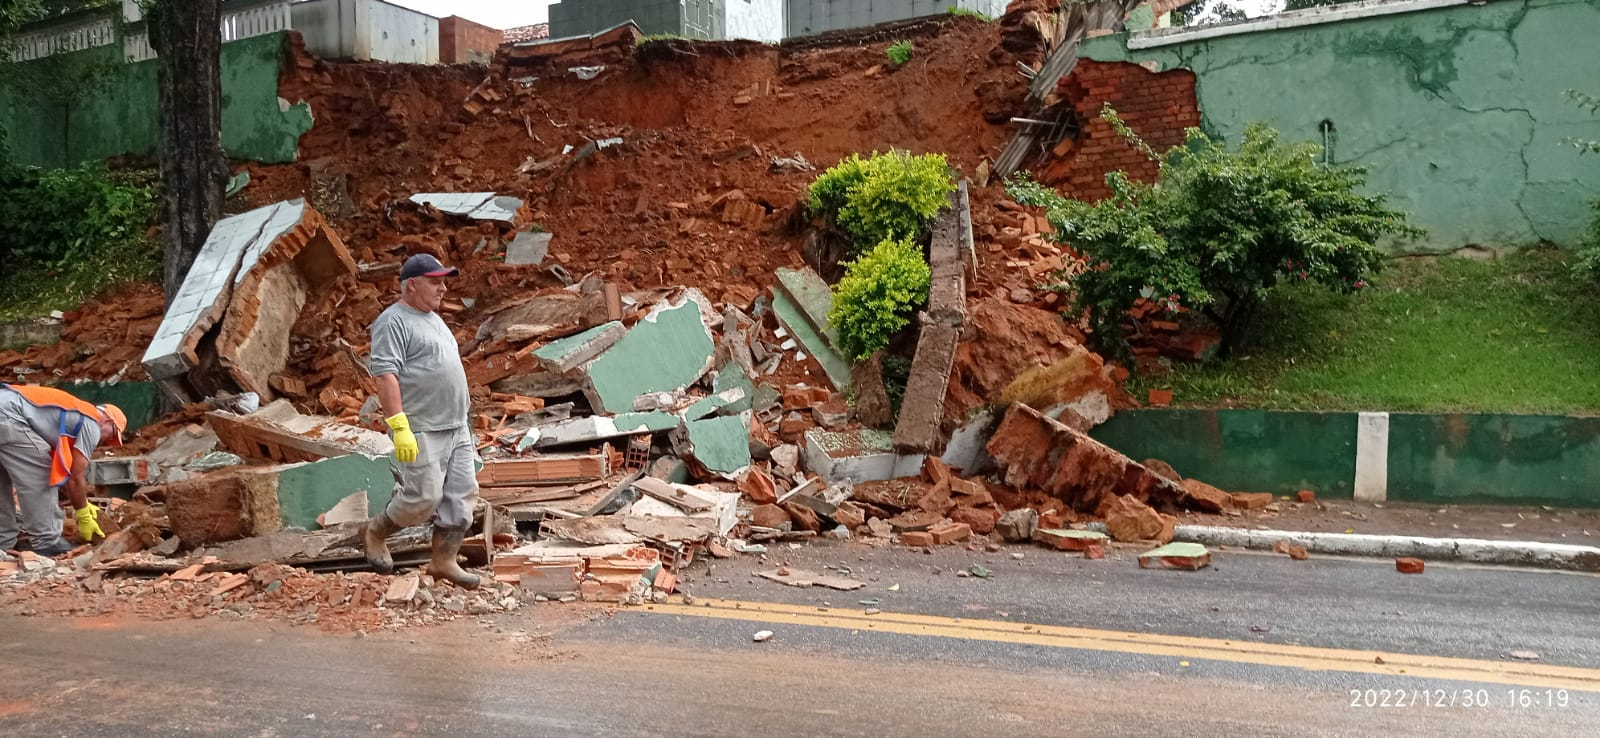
965 449
306 490
280 433
716 403
567 354
721 445
917 430
544 469
1076 390
1191 556
793 319
666 351
544 317
225 506
474 205
599 428
528 248
812 295
1066 539
856 456
253 275
1039 452
1016 526
123 470
803 578
351 509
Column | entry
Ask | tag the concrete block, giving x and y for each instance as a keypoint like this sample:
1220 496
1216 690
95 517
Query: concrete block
721 445
307 490
793 319
856 456
474 205
528 247
225 506
965 450
670 349
123 470
922 411
599 427
568 353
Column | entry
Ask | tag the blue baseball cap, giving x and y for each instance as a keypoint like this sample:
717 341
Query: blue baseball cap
425 265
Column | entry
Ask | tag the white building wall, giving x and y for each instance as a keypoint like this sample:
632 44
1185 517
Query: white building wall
757 20
401 35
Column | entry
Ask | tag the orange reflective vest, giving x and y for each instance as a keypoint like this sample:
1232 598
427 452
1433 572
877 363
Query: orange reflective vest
66 443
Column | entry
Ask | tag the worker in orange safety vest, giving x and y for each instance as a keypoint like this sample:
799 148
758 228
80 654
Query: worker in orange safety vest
46 438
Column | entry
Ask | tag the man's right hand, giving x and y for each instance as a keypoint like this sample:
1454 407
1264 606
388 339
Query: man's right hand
405 442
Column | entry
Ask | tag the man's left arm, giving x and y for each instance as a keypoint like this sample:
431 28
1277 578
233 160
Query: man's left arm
78 496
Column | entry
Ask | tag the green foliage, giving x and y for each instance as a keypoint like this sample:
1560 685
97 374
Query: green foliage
889 194
1221 229
57 216
970 13
1417 342
899 52
896 374
1588 261
877 296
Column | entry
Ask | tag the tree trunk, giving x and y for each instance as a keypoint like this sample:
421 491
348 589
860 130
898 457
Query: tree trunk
187 37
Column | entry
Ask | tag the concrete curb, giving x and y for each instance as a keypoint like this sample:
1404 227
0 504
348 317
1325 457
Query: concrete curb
1470 550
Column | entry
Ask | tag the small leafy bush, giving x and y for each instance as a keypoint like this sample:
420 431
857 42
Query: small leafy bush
970 13
1219 230
887 195
877 296
56 216
899 53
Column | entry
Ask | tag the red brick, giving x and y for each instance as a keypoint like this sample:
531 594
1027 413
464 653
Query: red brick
916 538
1408 566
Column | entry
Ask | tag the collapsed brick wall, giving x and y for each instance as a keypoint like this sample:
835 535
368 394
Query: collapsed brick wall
1156 105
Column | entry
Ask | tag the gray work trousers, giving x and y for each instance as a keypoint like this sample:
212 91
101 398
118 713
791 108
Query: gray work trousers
443 481
25 465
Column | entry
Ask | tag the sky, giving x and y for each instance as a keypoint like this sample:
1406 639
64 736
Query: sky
492 13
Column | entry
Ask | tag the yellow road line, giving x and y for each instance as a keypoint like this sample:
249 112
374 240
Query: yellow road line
1151 644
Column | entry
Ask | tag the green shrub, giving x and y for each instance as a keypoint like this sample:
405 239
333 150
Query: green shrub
970 13
1589 248
877 198
56 216
877 296
1221 229
899 52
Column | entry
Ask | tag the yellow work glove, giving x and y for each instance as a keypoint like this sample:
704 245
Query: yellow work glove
405 442
88 523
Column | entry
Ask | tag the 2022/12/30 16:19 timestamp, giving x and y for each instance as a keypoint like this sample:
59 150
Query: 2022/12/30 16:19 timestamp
1515 698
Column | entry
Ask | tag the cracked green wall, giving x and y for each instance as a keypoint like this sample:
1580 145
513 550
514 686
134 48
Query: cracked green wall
1458 113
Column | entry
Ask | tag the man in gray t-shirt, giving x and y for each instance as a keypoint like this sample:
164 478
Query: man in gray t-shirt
422 389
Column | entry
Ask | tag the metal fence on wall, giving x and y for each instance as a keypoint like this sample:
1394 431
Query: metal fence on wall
237 23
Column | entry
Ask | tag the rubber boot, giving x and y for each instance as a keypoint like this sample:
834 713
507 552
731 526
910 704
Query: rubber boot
446 545
374 541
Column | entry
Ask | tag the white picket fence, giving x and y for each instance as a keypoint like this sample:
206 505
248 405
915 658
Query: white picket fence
256 20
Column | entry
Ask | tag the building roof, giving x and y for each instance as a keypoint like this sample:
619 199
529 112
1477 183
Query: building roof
526 33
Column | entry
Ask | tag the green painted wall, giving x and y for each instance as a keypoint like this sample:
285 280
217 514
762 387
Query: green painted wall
137 400
1458 112
309 490
1243 450
1456 459
1522 459
122 118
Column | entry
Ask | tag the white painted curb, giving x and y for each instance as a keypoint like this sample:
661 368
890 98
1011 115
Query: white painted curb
1471 550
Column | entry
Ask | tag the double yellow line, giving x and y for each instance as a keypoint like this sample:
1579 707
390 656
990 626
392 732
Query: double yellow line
1517 673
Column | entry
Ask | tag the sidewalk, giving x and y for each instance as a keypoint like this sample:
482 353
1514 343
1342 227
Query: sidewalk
1517 536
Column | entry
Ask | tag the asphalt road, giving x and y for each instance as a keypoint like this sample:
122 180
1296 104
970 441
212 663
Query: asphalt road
1046 646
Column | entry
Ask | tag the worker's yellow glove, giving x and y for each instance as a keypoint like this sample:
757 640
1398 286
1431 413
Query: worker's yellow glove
88 523
405 442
